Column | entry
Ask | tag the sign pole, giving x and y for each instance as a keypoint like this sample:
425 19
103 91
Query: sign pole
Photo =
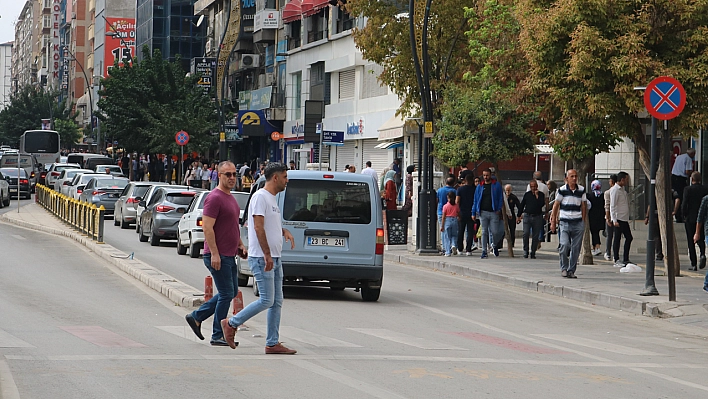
19 190
669 250
649 284
181 164
321 131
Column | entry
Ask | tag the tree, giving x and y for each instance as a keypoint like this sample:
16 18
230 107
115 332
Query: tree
145 104
27 107
69 132
586 57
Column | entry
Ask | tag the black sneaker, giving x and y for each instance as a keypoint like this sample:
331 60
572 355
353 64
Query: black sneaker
702 264
571 275
221 342
196 327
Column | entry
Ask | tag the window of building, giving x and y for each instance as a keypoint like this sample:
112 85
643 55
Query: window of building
370 86
47 21
294 39
297 95
347 81
317 26
344 22
328 88
317 80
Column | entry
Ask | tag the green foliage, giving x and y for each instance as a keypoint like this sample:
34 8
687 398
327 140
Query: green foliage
68 131
475 126
26 110
144 105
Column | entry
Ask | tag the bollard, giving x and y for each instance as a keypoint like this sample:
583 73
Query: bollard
100 217
238 302
208 288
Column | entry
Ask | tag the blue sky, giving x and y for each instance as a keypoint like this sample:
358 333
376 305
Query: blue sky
8 15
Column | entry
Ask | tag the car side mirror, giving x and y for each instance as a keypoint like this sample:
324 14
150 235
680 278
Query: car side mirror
143 204
138 199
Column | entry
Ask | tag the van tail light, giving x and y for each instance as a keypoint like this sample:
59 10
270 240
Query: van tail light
328 176
163 208
24 181
132 201
379 241
200 222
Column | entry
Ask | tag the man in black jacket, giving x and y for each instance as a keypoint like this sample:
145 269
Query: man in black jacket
692 196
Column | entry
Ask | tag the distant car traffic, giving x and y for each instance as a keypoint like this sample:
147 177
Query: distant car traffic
54 171
114 170
10 175
76 187
126 206
104 191
190 233
162 214
62 184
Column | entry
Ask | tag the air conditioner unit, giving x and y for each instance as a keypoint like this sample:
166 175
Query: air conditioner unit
250 61
209 45
269 79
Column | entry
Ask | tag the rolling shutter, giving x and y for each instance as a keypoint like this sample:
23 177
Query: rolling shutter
344 154
347 81
379 158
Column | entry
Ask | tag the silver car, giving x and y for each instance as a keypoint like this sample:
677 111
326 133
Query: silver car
104 191
4 192
127 204
146 200
62 183
163 212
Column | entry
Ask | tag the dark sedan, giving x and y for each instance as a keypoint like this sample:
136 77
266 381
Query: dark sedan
10 175
104 191
161 216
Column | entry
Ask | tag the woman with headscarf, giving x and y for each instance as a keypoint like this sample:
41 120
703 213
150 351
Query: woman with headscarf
390 192
408 205
596 215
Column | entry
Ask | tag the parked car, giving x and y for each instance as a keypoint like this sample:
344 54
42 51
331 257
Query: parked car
146 200
115 170
76 187
189 229
126 206
104 190
163 212
55 170
10 175
28 162
4 191
337 223
62 184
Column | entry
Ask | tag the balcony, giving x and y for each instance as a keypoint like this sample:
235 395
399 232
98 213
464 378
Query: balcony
92 5
91 32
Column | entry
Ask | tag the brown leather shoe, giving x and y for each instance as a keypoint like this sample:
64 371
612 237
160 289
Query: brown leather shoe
279 349
229 333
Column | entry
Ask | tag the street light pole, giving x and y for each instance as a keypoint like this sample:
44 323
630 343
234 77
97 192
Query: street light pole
73 57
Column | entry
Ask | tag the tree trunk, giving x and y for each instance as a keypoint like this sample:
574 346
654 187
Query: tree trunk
643 148
582 166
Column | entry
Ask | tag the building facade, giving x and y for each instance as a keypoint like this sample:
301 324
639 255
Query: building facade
24 65
5 73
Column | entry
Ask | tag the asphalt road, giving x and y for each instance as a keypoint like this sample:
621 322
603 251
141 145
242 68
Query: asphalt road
72 327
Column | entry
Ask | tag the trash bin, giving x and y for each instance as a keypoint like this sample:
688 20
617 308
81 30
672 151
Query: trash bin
397 227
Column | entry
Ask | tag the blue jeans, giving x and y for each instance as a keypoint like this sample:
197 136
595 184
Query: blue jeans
492 228
571 240
270 291
450 234
226 283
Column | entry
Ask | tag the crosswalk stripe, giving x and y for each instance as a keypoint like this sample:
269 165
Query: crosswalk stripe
314 339
101 337
604 346
669 343
187 333
10 341
405 339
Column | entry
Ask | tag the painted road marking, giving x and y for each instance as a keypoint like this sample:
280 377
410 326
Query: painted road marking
313 339
19 237
187 333
10 341
508 344
99 336
669 343
405 339
603 346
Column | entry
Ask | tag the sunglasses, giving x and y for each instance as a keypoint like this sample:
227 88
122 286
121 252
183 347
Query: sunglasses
229 174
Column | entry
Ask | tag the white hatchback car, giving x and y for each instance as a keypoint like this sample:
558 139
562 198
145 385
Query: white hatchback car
189 231
63 183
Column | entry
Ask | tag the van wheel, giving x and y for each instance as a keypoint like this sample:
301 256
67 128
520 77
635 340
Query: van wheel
370 294
255 287
242 280
181 249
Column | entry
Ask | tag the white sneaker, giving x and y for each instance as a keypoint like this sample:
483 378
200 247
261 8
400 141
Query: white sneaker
454 250
596 252
619 264
607 256
631 268
447 254
468 253
475 247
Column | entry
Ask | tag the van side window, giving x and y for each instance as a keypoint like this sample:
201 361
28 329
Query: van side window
327 201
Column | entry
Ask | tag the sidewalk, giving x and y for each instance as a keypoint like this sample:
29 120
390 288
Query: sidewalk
600 284
35 217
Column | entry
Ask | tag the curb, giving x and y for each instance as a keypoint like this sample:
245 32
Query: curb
616 302
178 292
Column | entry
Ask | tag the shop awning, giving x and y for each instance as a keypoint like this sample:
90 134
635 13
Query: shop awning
312 7
292 11
83 100
392 129
389 145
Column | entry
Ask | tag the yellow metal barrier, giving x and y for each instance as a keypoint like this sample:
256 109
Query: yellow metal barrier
84 217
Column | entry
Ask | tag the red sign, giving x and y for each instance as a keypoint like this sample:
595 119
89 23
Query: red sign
664 98
120 42
182 138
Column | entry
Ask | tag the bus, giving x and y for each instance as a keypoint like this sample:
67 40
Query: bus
43 144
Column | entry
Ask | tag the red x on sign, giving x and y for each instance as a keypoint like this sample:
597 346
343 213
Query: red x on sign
664 98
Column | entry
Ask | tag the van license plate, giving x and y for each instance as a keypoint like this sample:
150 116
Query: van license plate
326 241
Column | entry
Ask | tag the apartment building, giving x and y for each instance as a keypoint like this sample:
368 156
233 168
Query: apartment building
5 73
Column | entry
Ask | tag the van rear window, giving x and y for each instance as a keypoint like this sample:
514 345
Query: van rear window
327 201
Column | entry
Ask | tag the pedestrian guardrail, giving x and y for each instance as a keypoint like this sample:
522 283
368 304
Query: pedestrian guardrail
86 218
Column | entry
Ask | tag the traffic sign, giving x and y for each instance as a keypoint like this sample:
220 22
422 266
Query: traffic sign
182 138
275 136
428 127
664 98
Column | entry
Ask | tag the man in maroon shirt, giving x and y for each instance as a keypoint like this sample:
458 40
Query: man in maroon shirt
223 242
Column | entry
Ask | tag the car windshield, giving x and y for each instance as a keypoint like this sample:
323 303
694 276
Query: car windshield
12 172
327 201
72 173
180 198
111 183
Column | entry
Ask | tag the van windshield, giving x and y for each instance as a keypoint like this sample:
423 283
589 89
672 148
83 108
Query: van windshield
327 201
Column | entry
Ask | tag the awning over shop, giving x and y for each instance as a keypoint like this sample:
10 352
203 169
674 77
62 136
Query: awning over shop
312 7
292 11
392 129
389 145
83 100
540 149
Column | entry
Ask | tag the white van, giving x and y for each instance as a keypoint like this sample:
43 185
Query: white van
336 220
28 162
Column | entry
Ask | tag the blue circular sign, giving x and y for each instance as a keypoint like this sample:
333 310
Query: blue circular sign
664 98
182 138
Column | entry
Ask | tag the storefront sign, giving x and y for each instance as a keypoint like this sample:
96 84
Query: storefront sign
356 127
266 19
260 99
120 46
332 137
232 133
205 68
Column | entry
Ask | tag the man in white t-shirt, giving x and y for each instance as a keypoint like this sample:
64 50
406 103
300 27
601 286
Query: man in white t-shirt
368 170
265 244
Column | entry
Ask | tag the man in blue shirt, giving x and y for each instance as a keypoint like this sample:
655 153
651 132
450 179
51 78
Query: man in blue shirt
442 197
488 203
